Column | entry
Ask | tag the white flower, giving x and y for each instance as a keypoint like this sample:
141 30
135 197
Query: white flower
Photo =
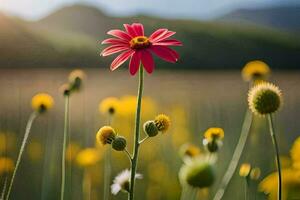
121 181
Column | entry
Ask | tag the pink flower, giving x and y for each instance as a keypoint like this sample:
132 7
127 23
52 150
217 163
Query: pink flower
134 45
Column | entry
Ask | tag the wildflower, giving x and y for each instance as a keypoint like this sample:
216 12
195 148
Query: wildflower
119 143
213 139
290 183
198 172
214 133
150 128
255 70
135 45
264 98
295 153
189 150
255 173
6 165
162 122
122 181
75 79
65 89
88 157
109 105
245 170
106 135
42 102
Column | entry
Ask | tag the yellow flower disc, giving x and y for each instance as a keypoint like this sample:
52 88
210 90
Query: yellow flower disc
105 135
6 165
162 122
214 133
88 157
109 105
42 102
245 170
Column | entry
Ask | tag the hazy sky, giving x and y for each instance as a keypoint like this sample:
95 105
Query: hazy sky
33 9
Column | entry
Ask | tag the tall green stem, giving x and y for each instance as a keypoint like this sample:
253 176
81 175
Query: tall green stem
137 133
236 156
107 165
63 159
277 159
26 135
4 189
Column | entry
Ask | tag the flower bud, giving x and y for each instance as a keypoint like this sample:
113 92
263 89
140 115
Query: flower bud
119 143
42 102
245 170
106 135
162 122
255 173
150 128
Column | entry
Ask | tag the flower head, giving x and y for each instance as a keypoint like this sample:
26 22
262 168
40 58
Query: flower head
162 122
109 105
245 170
106 135
75 78
264 98
189 150
122 181
88 157
133 44
214 133
255 173
42 102
150 128
119 143
255 70
6 165
290 183
198 172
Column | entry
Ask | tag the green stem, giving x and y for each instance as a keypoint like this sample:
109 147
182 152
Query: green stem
246 188
63 159
277 158
26 135
236 156
4 189
137 134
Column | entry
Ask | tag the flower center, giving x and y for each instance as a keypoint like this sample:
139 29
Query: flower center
139 42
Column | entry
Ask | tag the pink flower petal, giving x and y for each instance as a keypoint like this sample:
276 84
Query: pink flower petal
139 29
120 59
120 34
157 33
163 36
168 43
130 30
134 63
147 61
114 41
113 49
165 53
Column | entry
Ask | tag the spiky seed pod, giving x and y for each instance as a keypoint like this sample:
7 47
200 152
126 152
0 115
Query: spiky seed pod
162 122
106 135
150 128
264 98
119 143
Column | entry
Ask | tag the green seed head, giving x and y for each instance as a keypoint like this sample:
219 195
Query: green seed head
150 128
119 143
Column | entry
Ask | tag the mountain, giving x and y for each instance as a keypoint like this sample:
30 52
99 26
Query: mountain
70 37
279 17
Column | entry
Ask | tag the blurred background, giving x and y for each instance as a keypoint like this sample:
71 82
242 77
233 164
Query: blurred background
42 41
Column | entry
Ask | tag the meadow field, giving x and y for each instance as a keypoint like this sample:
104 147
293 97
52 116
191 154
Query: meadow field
194 100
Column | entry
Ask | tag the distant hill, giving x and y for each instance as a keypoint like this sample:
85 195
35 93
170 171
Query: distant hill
280 17
70 37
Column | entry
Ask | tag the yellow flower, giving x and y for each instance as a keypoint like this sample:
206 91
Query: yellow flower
214 133
162 122
295 153
264 98
106 135
42 102
109 105
88 157
255 70
6 165
245 170
72 151
290 182
75 78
